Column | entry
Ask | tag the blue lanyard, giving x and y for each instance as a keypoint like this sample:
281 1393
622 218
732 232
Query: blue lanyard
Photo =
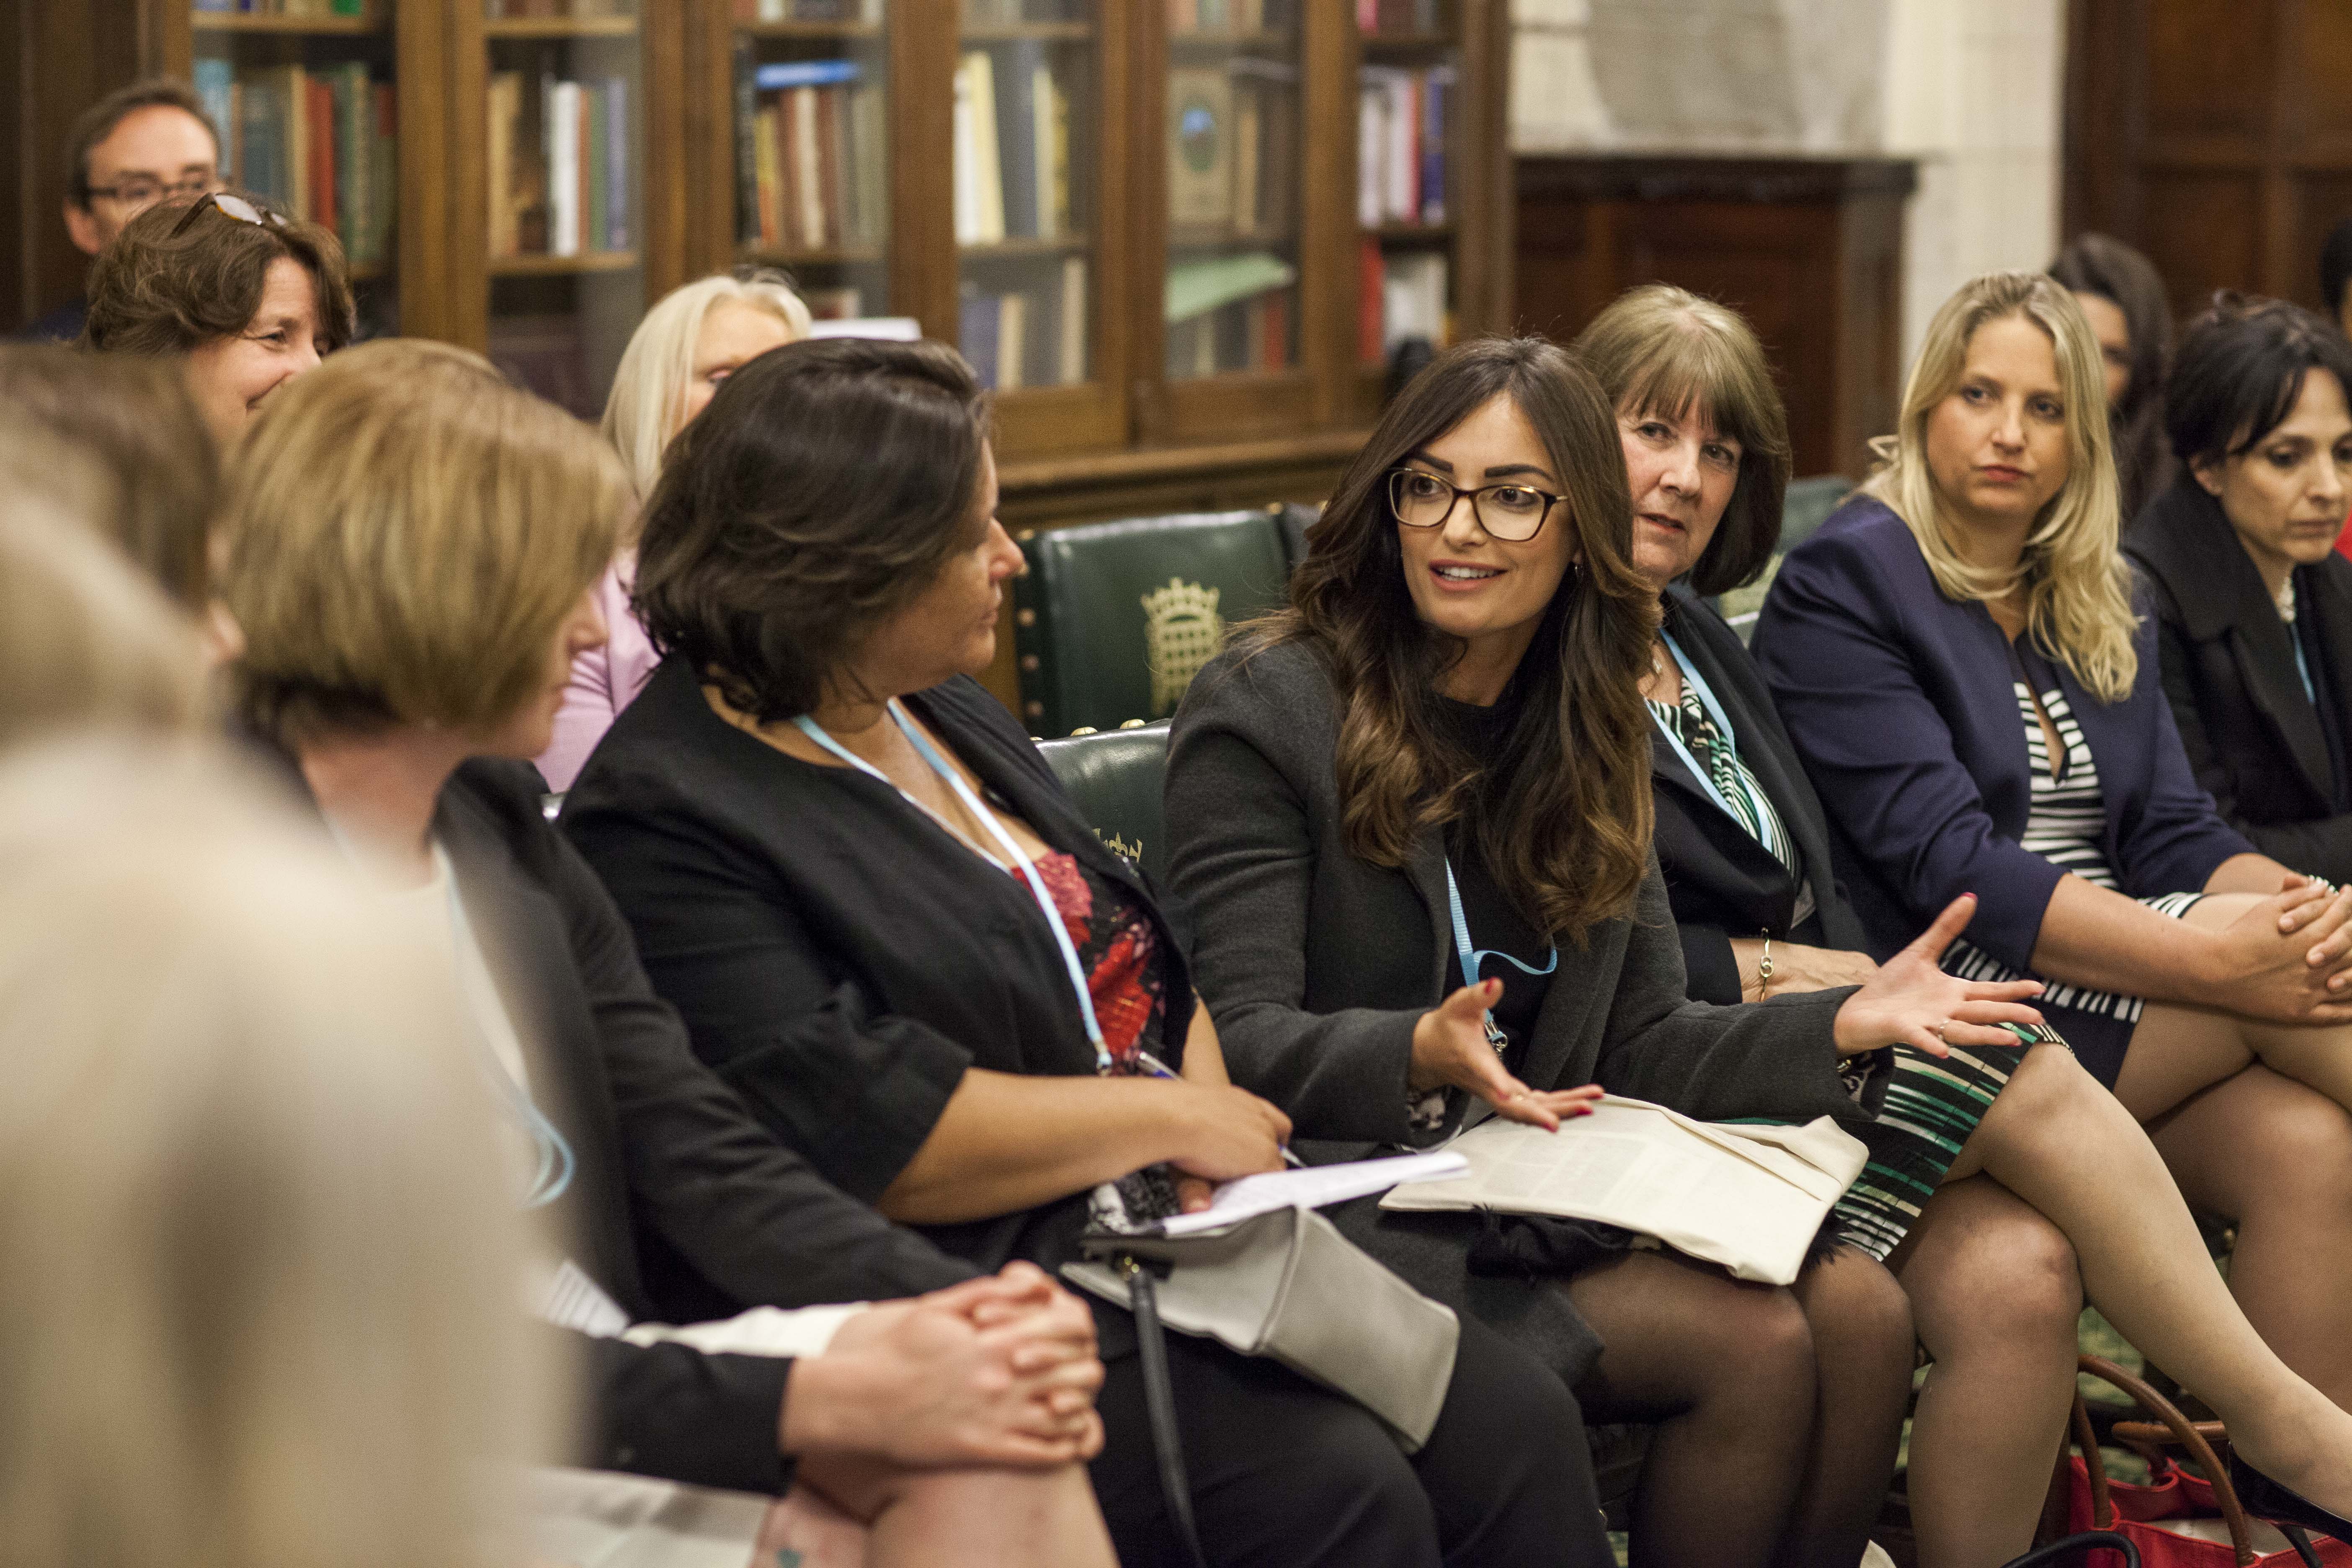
980 813
1472 958
1713 711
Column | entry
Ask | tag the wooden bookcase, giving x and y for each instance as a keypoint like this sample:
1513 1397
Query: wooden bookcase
1238 401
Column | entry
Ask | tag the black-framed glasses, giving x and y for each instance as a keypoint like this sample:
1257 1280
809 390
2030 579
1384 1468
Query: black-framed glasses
145 192
228 206
1513 514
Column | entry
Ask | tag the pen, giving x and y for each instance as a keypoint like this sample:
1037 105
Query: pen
1158 1069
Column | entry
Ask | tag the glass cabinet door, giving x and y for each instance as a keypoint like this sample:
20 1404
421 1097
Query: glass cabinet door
302 91
811 141
1026 120
562 145
1409 129
1234 131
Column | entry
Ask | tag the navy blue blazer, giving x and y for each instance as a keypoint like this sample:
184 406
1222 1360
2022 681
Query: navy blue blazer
1902 707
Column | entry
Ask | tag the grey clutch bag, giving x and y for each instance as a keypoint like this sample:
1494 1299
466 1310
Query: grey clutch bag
1288 1285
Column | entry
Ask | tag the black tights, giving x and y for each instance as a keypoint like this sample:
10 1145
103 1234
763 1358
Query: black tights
1777 1411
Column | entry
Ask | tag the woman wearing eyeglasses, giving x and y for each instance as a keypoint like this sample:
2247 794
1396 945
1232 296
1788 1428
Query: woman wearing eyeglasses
245 297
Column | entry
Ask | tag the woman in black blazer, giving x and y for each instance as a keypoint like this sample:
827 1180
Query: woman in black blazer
2253 606
372 689
890 930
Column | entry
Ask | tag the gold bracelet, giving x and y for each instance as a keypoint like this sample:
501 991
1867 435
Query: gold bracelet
1764 969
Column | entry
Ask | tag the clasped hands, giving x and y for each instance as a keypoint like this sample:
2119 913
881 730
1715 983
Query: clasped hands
998 1370
2304 973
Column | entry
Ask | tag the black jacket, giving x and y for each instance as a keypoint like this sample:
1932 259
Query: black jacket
837 957
1318 964
1720 882
2256 741
680 1205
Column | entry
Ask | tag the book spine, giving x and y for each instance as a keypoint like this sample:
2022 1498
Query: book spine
750 229
977 323
1372 287
296 166
1017 71
1011 341
563 142
1371 144
841 105
1400 159
1438 101
828 161
1275 354
872 198
987 158
383 151
767 206
1072 341
214 80
619 233
594 158
1049 133
965 168
349 88
808 178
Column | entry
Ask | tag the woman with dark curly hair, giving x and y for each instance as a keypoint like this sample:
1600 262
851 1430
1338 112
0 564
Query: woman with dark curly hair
249 297
2124 300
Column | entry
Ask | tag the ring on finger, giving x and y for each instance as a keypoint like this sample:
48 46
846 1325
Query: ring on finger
1939 1032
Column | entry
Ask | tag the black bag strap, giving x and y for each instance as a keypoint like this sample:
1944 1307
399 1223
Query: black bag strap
1159 1401
2061 1549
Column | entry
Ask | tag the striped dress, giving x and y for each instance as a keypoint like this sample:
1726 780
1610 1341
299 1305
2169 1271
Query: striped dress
1924 1107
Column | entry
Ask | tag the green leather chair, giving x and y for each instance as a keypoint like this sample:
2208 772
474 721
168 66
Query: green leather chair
1114 776
1113 619
1805 506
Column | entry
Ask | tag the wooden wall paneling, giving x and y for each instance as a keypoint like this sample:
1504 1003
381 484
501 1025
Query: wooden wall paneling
1326 243
923 40
1484 254
1809 250
432 186
68 53
666 134
1152 416
15 183
463 313
709 135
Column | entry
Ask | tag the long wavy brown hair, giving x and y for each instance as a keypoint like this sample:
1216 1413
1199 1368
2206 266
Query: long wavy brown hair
1561 812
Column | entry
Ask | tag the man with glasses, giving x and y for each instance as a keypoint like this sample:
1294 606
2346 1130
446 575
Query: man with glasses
136 146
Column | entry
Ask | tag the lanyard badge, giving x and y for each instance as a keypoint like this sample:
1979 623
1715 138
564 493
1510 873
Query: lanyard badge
1473 957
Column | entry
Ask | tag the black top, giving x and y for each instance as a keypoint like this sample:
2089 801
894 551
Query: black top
2272 757
680 1206
1721 882
62 325
838 957
1495 923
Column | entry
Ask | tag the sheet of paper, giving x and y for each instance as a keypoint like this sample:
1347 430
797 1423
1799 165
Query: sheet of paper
598 1518
1752 1205
1313 1187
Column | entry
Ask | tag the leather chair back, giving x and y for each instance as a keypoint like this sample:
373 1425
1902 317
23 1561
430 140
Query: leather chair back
1114 776
1808 505
1114 619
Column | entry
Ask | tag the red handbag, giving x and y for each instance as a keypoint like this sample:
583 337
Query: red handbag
2178 1520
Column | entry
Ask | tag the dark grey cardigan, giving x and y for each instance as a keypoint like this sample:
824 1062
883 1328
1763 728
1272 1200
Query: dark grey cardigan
1316 966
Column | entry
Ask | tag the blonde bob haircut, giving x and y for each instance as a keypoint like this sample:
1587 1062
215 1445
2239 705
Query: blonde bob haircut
647 402
407 533
1665 350
2077 586
258 1268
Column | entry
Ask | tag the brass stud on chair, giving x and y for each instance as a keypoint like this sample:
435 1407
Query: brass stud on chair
1024 618
1029 663
1034 710
1084 730
1132 725
1024 536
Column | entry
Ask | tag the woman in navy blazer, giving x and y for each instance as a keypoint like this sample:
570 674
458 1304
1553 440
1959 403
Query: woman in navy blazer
2203 982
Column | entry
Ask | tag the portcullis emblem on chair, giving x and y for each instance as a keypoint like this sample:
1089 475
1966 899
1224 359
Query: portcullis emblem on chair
1182 632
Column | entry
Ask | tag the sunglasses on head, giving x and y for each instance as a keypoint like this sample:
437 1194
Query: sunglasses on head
228 206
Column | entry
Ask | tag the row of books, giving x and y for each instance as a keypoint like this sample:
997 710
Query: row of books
576 10
317 144
1400 143
1012 166
1399 295
1231 15
1028 337
861 11
1232 147
559 164
1013 13
809 149
1400 15
285 7
1251 335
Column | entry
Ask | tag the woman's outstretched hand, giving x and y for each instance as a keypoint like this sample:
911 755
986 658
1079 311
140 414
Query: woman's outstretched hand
1912 1001
1450 1050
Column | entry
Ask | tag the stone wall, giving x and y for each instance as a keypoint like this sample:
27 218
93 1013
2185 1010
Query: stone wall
1969 87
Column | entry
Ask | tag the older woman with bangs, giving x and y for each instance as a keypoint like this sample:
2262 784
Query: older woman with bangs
684 349
1956 661
401 701
1754 885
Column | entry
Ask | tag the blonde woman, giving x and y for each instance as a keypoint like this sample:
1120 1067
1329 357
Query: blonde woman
696 337
1943 637
401 701
257 1278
